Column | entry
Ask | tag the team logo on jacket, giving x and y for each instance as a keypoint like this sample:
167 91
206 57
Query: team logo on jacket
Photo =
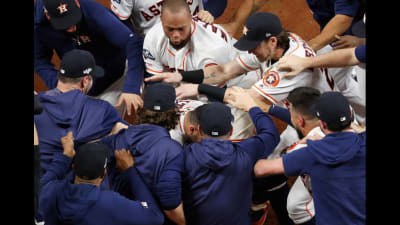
271 79
62 8
147 54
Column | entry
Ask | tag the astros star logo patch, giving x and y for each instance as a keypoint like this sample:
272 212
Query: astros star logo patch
271 79
62 8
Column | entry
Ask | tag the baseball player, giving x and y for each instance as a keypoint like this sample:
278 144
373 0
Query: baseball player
146 13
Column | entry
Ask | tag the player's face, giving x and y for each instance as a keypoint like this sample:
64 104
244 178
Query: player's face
177 27
264 51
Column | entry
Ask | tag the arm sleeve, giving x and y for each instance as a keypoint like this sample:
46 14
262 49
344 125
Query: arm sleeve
360 53
297 162
249 62
346 7
121 36
267 138
57 169
280 113
169 189
122 8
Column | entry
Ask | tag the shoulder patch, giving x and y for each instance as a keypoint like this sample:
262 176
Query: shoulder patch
147 54
271 79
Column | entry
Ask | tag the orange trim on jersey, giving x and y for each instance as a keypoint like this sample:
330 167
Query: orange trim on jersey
184 58
210 64
308 211
244 64
273 99
180 126
114 9
154 71
194 27
292 147
170 51
236 140
297 42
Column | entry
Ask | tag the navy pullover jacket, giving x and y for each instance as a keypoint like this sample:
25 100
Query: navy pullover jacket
217 185
101 33
63 202
336 165
158 158
86 117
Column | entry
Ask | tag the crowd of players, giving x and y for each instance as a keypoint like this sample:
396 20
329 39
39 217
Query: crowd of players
203 148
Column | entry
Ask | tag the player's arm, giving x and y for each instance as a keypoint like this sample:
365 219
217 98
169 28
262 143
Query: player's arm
176 215
122 8
337 58
266 167
239 18
336 26
215 74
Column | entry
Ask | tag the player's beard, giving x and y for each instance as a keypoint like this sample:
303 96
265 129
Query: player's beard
187 139
299 133
181 44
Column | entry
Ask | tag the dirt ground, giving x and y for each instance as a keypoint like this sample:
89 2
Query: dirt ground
295 16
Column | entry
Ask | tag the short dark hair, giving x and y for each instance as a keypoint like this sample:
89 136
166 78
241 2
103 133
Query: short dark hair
168 119
283 39
65 79
174 5
302 98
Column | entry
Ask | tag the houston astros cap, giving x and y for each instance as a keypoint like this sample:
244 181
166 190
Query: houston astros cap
90 160
159 97
79 63
215 119
63 13
332 108
259 26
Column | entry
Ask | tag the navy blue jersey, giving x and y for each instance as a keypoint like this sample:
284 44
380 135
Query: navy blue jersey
361 54
100 32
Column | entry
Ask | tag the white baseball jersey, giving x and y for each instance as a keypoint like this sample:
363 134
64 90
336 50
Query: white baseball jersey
243 126
146 13
300 204
209 45
276 89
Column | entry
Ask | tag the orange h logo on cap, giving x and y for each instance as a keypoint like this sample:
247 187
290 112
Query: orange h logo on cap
62 8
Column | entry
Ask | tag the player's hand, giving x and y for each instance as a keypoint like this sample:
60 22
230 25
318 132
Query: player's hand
130 99
239 98
293 64
166 78
313 137
347 41
205 16
124 159
357 128
187 90
68 145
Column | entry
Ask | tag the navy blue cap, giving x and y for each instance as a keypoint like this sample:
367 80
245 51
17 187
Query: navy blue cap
79 63
259 26
159 97
63 13
215 119
332 108
90 160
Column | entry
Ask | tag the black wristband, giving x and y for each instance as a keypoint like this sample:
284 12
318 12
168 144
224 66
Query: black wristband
194 76
212 91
